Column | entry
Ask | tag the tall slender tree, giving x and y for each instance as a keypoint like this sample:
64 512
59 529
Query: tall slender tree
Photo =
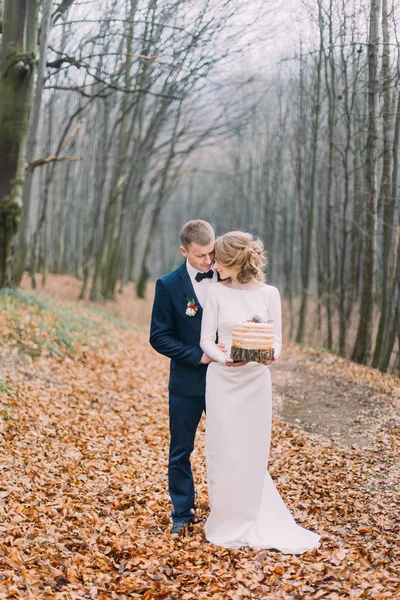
308 248
388 197
363 344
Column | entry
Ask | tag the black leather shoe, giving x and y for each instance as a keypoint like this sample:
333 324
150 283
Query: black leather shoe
181 527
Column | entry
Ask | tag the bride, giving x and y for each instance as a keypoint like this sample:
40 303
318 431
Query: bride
246 508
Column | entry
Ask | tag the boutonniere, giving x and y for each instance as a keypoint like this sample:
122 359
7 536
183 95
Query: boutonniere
191 307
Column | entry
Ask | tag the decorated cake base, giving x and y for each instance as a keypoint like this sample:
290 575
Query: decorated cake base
252 341
248 355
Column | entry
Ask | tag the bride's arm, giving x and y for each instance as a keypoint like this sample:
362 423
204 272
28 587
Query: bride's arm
276 314
209 326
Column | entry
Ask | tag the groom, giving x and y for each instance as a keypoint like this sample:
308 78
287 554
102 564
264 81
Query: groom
175 332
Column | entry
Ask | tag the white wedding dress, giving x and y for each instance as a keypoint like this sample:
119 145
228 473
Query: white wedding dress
246 509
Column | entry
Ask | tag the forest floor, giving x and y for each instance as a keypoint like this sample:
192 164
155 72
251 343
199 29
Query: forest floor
84 507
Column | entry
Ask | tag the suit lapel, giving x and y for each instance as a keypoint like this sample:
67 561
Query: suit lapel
185 283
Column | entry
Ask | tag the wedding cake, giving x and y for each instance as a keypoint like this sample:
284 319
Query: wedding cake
252 341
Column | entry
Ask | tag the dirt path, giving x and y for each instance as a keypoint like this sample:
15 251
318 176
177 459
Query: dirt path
351 413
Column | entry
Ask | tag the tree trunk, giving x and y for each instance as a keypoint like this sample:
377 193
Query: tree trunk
311 213
109 243
331 88
389 196
392 322
22 245
363 344
145 271
299 189
393 328
17 70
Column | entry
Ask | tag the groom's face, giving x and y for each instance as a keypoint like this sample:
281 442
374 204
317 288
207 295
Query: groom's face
200 257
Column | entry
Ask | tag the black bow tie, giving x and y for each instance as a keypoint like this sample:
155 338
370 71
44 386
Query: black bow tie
200 276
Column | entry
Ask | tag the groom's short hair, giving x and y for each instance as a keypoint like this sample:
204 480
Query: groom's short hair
197 231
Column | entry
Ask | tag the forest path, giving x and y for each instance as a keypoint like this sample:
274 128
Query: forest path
323 394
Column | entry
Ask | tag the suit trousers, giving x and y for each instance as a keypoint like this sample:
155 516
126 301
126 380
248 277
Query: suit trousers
184 416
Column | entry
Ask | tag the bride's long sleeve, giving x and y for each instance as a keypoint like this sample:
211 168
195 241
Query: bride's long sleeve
275 313
209 326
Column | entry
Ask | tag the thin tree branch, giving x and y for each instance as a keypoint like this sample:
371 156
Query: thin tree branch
51 159
111 87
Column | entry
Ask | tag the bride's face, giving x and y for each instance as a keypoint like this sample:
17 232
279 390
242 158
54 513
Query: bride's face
226 272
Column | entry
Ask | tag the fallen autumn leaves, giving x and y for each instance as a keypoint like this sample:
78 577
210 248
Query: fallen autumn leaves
84 507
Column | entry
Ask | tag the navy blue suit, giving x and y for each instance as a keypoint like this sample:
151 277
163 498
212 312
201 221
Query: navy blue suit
177 335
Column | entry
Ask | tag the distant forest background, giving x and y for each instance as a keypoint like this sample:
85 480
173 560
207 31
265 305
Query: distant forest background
122 119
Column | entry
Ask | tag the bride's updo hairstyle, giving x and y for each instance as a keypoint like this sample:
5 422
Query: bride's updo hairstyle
240 250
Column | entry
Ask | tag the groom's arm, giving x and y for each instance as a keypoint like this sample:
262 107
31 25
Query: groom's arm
162 333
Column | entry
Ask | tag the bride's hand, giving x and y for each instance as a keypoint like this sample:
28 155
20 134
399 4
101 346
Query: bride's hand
268 362
231 363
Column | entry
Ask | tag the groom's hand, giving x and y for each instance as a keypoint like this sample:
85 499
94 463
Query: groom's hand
206 360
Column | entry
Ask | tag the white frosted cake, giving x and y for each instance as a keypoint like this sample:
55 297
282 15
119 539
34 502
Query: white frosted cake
252 341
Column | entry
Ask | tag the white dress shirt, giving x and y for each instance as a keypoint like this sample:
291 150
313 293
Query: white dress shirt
200 287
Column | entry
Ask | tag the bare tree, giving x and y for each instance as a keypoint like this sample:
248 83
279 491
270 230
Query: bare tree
388 196
309 235
362 348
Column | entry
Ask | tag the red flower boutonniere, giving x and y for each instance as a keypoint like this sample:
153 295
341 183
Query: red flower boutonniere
191 307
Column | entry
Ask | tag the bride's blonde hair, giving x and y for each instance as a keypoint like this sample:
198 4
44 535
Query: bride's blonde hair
241 250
